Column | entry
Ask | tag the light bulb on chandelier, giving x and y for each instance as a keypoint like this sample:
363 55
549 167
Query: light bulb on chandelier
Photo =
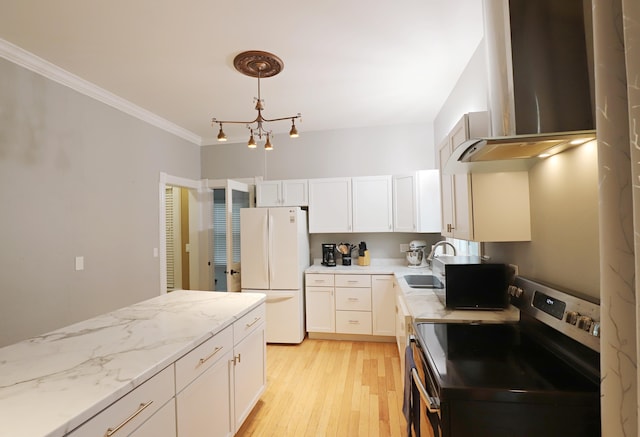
258 64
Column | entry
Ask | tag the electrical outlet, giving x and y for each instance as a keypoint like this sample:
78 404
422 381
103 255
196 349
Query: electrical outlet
515 268
404 248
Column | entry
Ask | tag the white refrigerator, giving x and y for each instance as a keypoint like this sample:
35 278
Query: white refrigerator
274 252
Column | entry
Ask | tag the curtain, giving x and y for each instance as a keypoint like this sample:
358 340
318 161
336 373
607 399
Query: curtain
617 95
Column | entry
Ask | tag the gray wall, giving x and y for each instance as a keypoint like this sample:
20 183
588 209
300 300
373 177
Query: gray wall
77 178
564 224
469 95
337 153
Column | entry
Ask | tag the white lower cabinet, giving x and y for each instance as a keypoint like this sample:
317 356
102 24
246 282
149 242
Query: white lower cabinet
383 305
137 411
353 304
203 387
250 378
320 303
220 381
350 304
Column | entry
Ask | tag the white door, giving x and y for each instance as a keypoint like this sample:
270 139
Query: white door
237 198
227 266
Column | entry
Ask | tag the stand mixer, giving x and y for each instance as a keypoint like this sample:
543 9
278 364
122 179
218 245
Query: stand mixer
415 255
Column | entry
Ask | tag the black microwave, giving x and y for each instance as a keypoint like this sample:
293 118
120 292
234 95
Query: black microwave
469 283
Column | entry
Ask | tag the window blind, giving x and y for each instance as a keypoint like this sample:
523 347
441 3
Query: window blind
170 244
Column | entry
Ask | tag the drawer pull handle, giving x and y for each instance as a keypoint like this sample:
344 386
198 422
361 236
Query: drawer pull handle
249 325
208 357
141 408
353 299
352 281
354 322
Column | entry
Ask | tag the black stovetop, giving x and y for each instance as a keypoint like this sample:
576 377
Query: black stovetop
497 361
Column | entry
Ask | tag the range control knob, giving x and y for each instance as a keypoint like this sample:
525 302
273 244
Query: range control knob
572 317
515 291
595 329
584 323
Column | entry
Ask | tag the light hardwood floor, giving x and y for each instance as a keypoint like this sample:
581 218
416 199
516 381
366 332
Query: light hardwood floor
330 388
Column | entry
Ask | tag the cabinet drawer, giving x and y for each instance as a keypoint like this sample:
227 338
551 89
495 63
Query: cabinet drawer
353 322
353 280
319 279
248 323
128 413
353 299
193 364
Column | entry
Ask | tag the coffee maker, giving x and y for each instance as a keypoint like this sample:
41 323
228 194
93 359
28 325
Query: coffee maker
329 254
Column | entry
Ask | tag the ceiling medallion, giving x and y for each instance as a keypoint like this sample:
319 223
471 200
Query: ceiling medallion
255 63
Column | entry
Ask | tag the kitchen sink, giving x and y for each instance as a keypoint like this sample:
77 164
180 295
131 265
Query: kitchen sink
423 281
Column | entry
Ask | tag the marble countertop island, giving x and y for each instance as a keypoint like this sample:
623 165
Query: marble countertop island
52 383
422 304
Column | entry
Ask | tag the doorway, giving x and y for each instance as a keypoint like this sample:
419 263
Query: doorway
200 244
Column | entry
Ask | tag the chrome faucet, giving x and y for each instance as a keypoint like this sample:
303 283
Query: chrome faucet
435 246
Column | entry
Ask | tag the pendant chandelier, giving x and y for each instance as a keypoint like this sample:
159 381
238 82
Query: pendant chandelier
258 64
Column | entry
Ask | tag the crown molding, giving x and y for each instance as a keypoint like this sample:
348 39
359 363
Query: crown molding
28 60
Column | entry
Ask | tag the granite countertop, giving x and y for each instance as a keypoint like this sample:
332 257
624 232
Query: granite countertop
422 304
52 383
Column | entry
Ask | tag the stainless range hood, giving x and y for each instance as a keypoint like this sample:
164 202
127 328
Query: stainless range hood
539 68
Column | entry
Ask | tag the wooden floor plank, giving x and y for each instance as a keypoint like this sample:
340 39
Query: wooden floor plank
330 388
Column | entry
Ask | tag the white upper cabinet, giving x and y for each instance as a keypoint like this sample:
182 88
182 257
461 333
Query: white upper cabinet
416 202
482 206
330 207
372 204
292 192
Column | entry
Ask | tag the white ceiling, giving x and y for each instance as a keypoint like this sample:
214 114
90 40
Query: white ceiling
348 63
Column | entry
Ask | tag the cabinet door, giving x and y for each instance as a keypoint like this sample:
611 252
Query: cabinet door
269 193
203 407
295 192
462 209
405 213
372 204
383 305
429 215
446 191
161 424
250 373
330 205
320 306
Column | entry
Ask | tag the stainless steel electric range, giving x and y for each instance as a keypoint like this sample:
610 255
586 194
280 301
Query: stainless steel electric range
537 377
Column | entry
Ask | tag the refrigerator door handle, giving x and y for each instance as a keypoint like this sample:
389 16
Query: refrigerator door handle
265 240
